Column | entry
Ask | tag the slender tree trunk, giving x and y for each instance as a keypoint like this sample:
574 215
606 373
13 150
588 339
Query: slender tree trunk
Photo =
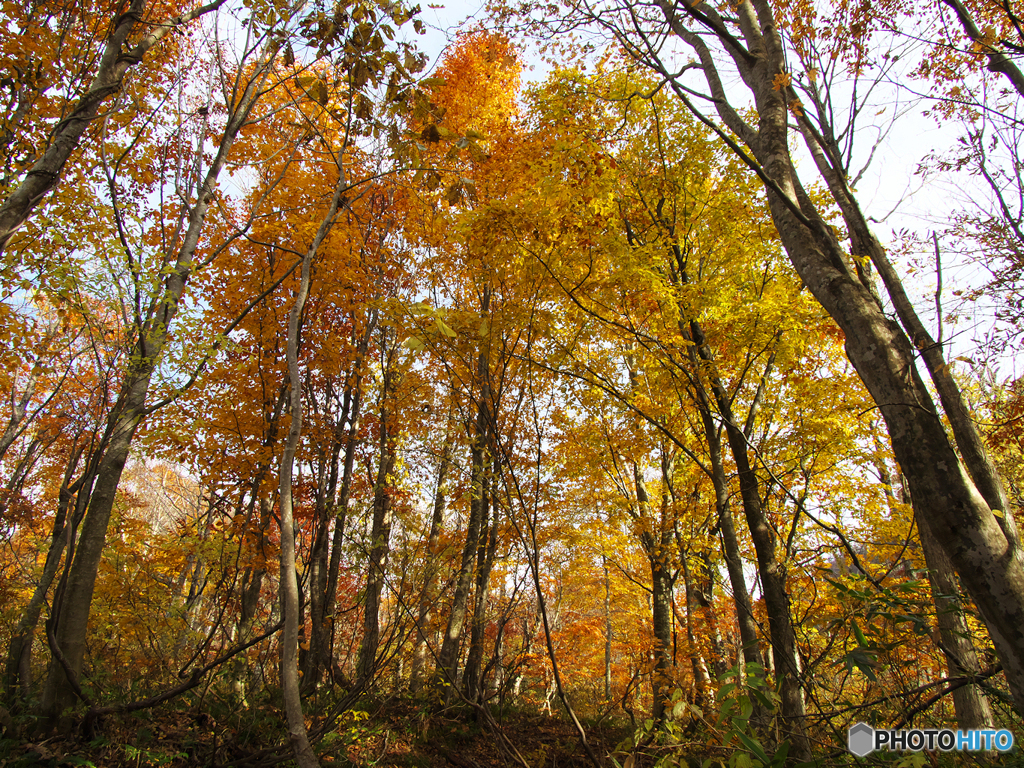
419 657
607 632
289 585
448 658
969 701
661 599
327 554
17 678
770 566
70 623
484 561
701 677
749 644
447 661
341 514
380 533
312 661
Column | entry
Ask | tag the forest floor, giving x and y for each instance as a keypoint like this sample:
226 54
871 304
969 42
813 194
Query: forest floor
393 734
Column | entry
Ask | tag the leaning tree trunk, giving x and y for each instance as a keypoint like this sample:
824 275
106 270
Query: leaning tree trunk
114 62
68 626
989 561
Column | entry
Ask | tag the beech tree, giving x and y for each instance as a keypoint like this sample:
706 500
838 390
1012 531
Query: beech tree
953 483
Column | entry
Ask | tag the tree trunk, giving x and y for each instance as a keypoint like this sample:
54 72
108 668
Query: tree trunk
969 701
473 676
17 677
289 585
71 620
661 599
341 515
989 561
770 566
749 644
448 658
380 533
419 657
607 632
701 677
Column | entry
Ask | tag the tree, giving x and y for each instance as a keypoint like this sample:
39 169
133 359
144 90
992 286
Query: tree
152 315
952 496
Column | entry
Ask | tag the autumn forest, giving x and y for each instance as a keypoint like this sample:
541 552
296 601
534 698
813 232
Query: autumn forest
357 401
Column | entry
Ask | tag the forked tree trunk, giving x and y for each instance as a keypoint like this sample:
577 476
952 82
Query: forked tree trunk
448 658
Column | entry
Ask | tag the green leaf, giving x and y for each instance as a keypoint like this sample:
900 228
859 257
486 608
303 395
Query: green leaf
762 698
754 746
779 758
861 640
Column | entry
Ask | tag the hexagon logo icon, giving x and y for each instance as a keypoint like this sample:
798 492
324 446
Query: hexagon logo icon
860 739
